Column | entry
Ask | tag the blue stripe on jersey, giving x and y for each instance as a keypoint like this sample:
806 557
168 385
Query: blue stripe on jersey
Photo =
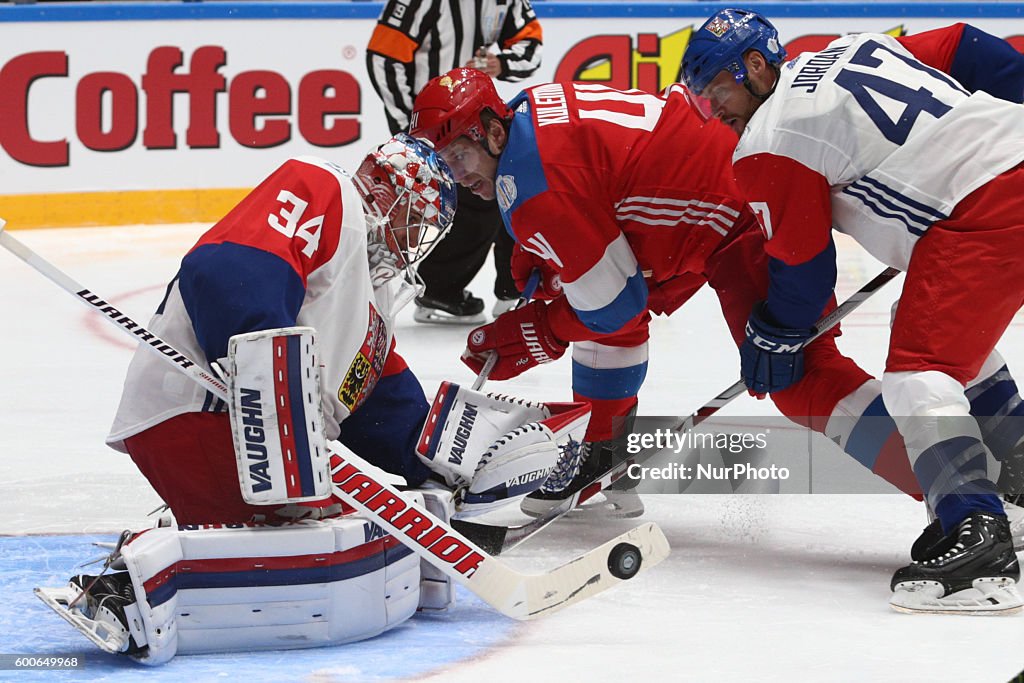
229 289
520 174
608 383
299 415
915 216
385 429
984 62
797 294
869 434
629 303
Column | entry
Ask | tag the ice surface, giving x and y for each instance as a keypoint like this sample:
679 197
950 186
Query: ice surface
758 587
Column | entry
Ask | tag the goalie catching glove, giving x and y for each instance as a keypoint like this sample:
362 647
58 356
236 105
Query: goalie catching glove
494 450
522 338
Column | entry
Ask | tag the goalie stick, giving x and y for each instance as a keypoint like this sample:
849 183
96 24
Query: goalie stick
515 594
497 539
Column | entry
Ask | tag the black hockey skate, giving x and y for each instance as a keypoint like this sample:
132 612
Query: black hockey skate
1011 477
976 574
107 599
932 542
597 457
467 311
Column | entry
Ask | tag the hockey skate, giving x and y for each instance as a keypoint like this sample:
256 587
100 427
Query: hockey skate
932 542
976 575
468 311
597 457
102 607
503 306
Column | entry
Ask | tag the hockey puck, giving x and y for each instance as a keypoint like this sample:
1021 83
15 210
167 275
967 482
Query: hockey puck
624 561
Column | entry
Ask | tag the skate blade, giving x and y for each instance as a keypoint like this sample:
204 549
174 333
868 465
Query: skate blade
607 504
995 596
604 511
59 599
433 316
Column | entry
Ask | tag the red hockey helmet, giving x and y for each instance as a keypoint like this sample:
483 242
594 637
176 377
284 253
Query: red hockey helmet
450 105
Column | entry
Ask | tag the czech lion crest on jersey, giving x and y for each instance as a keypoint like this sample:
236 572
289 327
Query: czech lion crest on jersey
367 366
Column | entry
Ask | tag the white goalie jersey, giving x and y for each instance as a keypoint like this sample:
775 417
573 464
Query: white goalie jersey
898 142
293 252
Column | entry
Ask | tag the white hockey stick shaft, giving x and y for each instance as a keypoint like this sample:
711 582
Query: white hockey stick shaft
515 594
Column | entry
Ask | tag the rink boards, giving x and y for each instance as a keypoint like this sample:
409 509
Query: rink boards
167 112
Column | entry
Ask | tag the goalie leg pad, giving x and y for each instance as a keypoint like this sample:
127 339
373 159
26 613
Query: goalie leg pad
310 584
277 416
437 592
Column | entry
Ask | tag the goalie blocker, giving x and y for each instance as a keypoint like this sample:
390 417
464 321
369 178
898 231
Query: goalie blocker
277 420
196 590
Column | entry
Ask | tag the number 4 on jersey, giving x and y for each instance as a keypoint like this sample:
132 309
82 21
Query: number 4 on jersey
308 231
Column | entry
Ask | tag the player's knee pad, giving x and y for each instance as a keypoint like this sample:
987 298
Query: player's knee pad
923 394
493 449
248 588
928 407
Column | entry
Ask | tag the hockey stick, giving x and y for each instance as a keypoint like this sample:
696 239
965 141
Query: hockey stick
492 359
515 594
497 539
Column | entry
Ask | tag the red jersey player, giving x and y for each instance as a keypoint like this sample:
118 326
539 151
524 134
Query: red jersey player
627 197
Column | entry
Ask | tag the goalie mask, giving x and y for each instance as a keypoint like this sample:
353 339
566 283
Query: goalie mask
410 200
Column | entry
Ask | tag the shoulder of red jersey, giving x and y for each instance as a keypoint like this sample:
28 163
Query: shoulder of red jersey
976 59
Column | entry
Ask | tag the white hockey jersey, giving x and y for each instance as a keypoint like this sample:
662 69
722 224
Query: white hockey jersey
293 252
898 144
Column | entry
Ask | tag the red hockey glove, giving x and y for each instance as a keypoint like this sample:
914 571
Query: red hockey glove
522 338
523 264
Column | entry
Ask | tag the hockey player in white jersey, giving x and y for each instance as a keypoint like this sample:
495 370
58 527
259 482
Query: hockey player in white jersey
877 137
291 297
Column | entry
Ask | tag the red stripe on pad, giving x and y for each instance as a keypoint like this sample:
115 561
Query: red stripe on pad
286 427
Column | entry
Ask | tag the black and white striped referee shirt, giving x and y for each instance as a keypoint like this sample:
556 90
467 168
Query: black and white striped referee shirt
416 40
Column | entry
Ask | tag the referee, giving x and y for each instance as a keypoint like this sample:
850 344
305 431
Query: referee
414 41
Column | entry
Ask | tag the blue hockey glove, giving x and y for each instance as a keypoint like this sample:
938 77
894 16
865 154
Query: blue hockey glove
771 358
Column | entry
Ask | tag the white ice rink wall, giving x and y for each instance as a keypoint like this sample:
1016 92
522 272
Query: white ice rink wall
153 112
